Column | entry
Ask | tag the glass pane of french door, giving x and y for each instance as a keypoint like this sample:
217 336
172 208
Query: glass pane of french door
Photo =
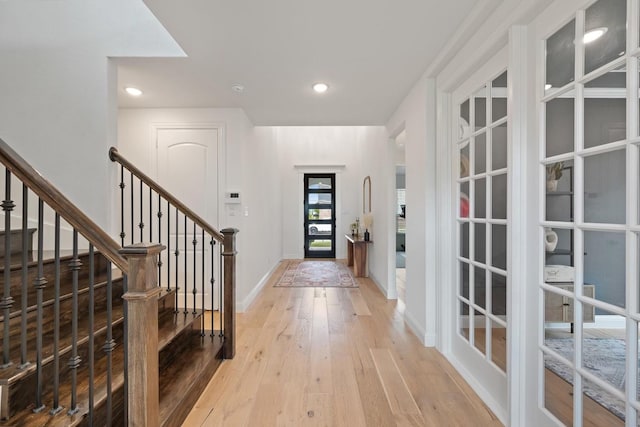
319 216
482 221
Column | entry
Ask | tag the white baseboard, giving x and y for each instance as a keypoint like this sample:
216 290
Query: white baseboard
427 340
477 386
244 305
386 292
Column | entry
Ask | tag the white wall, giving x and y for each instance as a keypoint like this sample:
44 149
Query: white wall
249 166
416 116
57 107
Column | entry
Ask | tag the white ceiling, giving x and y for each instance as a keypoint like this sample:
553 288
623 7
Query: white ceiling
370 52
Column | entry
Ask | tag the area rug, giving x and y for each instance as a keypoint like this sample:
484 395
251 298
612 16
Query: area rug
604 357
319 274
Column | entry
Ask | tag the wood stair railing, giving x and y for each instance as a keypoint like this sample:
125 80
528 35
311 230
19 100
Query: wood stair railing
74 342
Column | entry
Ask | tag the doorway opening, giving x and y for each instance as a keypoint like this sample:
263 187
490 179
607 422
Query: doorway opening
319 215
401 215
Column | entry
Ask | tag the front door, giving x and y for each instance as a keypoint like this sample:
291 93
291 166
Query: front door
319 215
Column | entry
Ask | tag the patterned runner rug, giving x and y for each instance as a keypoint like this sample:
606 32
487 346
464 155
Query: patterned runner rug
604 357
318 274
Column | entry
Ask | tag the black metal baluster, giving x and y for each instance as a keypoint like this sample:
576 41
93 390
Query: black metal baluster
202 283
141 224
56 320
109 344
169 246
39 283
122 186
91 332
132 209
195 275
220 286
185 266
74 360
175 308
7 301
25 277
212 243
160 242
151 219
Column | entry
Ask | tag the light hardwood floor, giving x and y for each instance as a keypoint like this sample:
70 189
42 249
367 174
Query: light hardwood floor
334 357
559 393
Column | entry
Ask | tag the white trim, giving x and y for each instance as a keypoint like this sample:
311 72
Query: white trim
388 293
480 390
319 168
428 340
445 230
244 305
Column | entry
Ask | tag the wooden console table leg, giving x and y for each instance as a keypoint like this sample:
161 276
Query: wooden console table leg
360 260
349 253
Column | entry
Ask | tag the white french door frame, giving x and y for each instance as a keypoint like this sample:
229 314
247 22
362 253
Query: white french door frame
490 382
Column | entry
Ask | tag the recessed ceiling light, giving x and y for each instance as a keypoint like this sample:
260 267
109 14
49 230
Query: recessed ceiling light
593 35
133 91
320 87
237 88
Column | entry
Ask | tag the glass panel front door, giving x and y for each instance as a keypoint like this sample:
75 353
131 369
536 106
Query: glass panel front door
319 216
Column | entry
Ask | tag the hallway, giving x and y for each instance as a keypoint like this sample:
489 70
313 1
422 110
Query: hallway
334 357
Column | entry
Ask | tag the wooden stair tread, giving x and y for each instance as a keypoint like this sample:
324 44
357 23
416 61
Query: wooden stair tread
43 418
13 373
182 382
172 324
48 257
49 294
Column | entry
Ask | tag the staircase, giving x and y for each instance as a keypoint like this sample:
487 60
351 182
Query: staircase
67 357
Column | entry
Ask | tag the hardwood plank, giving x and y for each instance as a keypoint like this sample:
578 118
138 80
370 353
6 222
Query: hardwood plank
318 409
319 371
264 411
197 416
359 304
348 409
394 385
292 413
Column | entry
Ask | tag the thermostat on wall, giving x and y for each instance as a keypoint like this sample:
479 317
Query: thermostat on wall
232 197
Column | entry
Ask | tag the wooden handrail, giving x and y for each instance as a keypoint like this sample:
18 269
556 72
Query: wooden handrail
63 206
115 156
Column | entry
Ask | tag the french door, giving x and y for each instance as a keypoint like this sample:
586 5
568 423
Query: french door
319 215
589 224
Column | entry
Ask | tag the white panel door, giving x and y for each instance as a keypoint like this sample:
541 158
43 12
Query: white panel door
188 169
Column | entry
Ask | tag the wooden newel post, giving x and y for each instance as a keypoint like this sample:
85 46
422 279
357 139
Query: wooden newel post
229 253
141 314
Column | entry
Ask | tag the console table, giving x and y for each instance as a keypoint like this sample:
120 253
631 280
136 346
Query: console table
357 255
